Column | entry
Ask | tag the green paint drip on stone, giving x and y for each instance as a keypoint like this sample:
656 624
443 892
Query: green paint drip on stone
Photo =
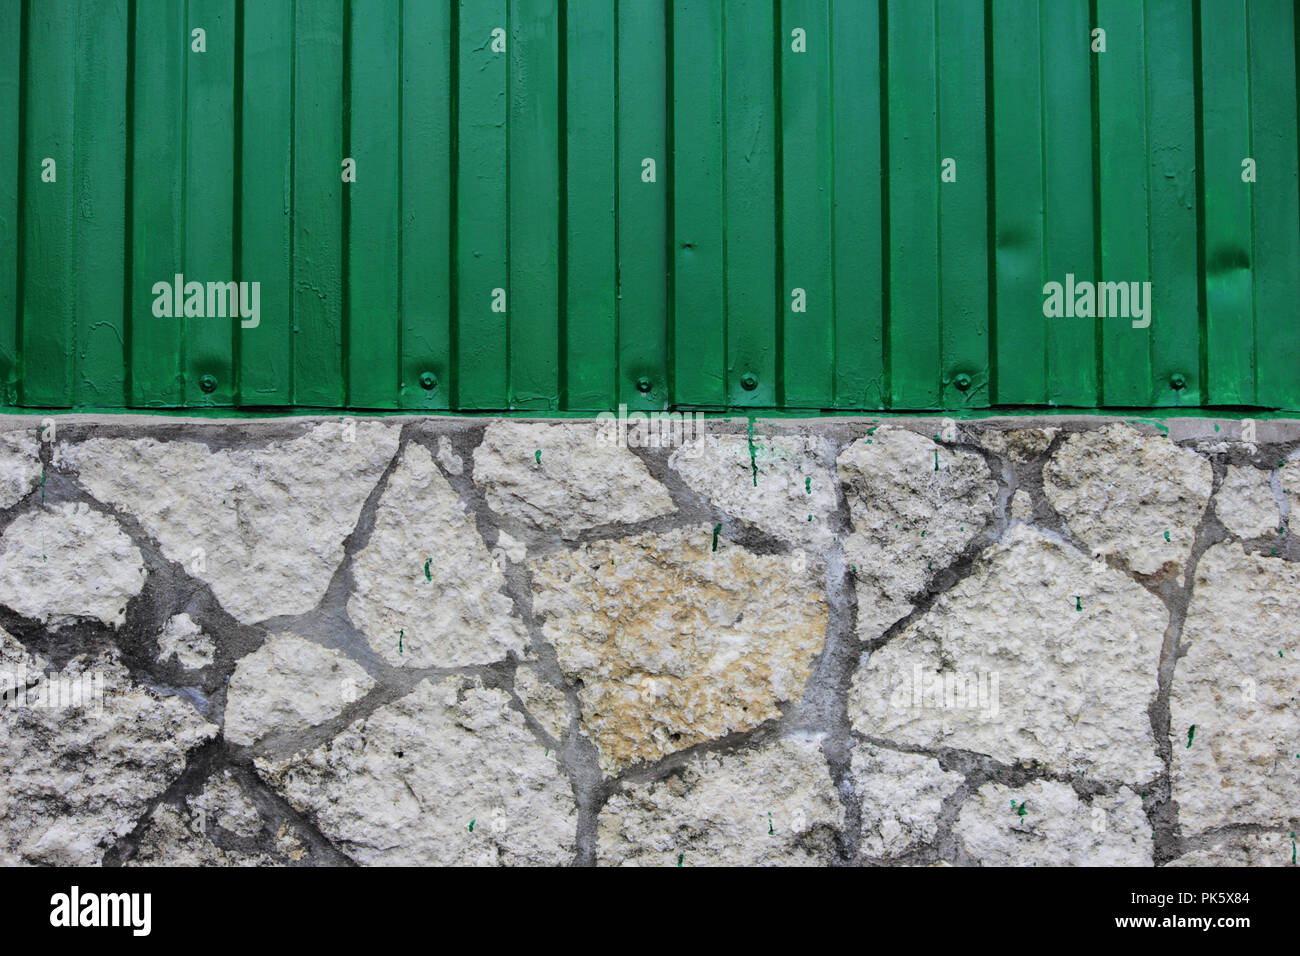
753 463
471 825
1078 603
427 575
1166 535
716 529
679 858
538 455
1153 422
807 485
770 831
400 634
1191 732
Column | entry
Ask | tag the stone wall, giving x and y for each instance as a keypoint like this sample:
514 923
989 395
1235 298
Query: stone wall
467 641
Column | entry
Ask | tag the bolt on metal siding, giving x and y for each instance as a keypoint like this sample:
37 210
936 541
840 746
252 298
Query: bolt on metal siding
565 206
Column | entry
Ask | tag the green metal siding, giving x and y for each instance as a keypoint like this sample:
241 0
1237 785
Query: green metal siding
521 170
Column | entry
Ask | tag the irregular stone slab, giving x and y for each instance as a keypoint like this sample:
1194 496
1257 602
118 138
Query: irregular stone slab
66 562
581 478
1245 849
445 776
1056 829
507 549
543 700
915 506
223 803
1245 503
1022 506
902 796
1238 681
1289 474
773 806
1019 444
1122 492
1031 676
173 838
20 467
190 834
671 643
427 592
263 526
287 685
184 835
184 641
448 458
74 779
783 484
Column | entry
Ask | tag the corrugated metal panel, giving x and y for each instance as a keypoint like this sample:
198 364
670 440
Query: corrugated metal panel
509 169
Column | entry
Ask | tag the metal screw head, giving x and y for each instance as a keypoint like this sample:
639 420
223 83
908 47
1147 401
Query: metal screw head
428 380
208 383
1177 382
643 385
749 381
962 382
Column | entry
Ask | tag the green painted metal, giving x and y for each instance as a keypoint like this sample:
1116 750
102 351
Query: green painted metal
561 206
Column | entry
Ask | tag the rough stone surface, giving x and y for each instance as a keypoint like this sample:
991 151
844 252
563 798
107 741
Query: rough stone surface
1245 503
1019 444
220 826
1033 678
1247 849
448 458
783 484
1123 492
673 644
507 549
74 779
1238 682
774 806
416 641
427 592
66 562
20 466
172 837
288 685
1022 506
901 795
264 526
184 641
1289 477
543 700
581 479
1056 829
402 786
224 803
915 506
